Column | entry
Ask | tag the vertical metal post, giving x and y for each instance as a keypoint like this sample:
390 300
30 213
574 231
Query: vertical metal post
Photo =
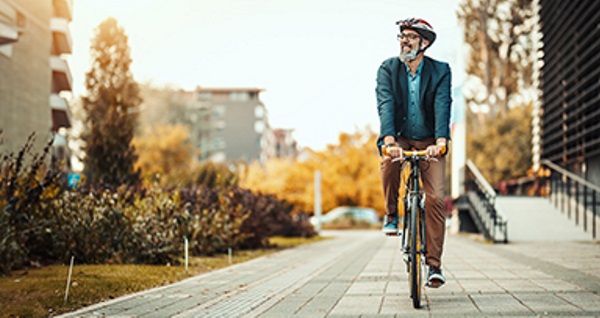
562 194
554 189
318 211
594 215
585 207
568 197
576 203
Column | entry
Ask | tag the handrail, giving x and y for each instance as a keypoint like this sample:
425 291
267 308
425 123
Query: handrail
572 192
481 180
570 175
484 212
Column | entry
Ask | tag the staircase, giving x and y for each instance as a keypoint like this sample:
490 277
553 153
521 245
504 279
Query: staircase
536 219
569 213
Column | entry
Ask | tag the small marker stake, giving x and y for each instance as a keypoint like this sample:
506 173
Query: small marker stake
186 254
69 279
229 254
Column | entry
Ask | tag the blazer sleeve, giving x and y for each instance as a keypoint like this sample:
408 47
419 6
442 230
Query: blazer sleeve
443 104
385 102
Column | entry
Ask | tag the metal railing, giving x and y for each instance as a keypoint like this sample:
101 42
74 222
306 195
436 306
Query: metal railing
573 195
482 200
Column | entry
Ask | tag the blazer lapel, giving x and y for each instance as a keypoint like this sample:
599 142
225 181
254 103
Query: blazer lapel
402 79
425 79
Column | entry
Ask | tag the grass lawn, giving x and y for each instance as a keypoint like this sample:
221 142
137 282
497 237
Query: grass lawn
40 292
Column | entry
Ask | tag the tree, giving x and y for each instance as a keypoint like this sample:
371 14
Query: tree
165 152
503 151
111 107
349 173
500 35
501 55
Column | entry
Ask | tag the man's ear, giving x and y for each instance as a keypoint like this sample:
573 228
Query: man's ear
424 44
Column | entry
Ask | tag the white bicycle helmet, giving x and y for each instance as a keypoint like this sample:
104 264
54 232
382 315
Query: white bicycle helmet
420 26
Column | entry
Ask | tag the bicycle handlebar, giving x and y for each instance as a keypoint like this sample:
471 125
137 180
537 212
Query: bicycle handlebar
412 153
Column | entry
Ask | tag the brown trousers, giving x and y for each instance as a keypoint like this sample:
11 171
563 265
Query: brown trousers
432 177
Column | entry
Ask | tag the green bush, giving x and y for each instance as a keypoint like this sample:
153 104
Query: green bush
42 221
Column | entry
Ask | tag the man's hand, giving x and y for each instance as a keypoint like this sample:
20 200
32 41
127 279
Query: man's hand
392 148
436 150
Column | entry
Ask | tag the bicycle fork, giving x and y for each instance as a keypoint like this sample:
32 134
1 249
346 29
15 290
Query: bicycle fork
407 220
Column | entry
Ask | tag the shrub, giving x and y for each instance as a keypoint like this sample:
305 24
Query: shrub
42 221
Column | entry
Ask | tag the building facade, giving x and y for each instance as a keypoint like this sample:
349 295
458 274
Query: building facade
285 144
231 124
570 82
34 35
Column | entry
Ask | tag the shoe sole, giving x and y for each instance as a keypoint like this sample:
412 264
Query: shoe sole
435 284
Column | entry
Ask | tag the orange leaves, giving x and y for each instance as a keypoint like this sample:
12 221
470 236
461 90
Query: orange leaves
349 170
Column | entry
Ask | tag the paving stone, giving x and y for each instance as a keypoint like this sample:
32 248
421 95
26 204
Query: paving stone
362 274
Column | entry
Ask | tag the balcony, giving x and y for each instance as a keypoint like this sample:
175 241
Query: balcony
61 116
63 9
61 75
61 36
8 34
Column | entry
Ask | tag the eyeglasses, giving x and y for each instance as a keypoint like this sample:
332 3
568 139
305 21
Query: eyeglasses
409 36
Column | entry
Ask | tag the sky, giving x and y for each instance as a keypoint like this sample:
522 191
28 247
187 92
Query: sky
316 59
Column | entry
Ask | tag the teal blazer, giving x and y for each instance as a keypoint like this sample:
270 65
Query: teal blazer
392 97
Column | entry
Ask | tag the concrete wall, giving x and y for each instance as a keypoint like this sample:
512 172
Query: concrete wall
25 79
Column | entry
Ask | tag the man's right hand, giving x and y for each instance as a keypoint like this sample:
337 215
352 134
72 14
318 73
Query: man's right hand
393 149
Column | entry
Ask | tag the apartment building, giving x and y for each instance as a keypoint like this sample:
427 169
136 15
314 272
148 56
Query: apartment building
34 36
232 124
285 144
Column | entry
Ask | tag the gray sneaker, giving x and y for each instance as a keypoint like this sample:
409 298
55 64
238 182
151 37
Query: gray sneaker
390 225
435 278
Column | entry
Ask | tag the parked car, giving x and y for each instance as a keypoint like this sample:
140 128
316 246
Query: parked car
358 214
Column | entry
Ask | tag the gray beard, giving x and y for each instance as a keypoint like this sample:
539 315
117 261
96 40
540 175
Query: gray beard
408 56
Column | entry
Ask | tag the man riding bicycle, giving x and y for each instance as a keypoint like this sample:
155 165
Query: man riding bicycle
413 102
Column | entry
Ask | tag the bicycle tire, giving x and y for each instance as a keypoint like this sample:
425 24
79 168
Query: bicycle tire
415 275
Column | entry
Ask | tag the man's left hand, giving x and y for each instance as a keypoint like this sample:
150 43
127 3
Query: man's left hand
434 151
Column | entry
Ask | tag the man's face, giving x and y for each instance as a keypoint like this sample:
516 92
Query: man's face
409 40
409 45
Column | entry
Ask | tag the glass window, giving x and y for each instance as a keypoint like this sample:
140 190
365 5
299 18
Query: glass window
259 111
218 111
204 95
239 96
259 126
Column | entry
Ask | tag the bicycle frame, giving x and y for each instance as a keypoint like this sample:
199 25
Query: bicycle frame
414 231
414 191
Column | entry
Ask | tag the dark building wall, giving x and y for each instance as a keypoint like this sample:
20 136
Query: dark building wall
571 85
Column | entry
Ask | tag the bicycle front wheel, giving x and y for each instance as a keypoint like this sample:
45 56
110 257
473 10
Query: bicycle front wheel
416 274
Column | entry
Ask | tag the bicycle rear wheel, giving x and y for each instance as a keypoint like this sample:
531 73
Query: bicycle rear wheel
415 268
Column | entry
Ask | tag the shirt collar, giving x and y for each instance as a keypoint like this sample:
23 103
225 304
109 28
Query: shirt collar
417 73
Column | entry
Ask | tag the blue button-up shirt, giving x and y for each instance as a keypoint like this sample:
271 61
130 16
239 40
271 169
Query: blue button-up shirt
415 123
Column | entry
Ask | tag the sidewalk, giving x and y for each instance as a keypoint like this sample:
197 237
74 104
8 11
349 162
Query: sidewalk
361 273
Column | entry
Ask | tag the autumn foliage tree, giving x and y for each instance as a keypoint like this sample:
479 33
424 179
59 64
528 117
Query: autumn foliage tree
502 53
165 154
349 174
111 107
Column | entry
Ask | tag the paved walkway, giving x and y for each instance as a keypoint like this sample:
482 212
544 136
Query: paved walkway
536 219
361 273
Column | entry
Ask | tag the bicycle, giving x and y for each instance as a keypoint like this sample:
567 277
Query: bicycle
413 234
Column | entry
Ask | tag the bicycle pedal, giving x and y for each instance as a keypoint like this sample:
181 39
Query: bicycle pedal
394 234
